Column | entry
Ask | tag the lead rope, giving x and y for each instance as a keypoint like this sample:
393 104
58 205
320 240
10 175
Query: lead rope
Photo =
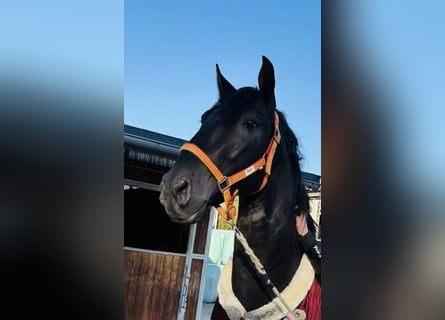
290 315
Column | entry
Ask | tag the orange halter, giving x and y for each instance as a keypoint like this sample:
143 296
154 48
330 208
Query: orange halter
224 183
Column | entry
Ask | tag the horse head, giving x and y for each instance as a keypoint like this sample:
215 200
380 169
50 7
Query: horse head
235 132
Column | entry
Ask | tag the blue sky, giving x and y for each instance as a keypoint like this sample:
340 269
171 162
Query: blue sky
171 48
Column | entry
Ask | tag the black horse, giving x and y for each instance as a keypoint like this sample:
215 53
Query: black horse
245 144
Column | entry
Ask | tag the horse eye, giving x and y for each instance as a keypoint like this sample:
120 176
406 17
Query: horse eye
250 124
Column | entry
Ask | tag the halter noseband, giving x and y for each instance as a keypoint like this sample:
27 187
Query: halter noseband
224 182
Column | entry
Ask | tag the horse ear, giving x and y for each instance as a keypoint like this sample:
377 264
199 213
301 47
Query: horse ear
266 81
224 86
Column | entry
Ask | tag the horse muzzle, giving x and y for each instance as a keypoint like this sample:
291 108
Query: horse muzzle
184 200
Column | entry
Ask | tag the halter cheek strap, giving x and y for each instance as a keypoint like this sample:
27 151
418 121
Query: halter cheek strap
224 182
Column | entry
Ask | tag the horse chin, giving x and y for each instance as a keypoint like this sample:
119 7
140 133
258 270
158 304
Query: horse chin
184 216
189 220
215 199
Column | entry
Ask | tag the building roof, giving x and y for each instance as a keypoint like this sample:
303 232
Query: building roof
145 148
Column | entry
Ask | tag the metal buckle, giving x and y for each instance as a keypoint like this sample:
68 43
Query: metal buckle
275 135
223 185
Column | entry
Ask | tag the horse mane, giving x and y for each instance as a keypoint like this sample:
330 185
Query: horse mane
292 147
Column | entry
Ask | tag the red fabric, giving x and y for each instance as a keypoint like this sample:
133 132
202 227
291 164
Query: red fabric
218 313
311 304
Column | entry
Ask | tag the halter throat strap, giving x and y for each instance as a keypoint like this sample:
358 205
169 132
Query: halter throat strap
224 182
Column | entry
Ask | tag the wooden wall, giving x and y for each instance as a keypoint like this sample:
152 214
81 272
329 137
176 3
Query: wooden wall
152 285
153 279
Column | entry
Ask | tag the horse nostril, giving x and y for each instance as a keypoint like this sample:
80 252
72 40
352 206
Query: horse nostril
182 192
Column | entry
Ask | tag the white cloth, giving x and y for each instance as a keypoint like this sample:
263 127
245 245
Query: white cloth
293 294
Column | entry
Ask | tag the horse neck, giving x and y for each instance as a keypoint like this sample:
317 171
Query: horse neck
266 221
270 210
